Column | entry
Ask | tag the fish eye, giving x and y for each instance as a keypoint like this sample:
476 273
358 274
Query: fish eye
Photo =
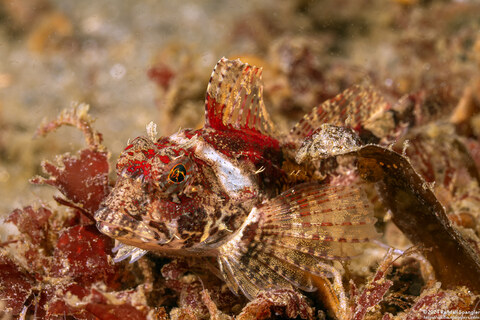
178 173
175 176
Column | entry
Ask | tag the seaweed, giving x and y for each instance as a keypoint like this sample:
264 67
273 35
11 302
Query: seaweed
424 187
60 264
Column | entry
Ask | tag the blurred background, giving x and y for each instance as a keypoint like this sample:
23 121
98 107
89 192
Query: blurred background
139 61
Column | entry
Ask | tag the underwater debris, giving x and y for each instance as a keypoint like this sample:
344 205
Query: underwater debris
403 192
280 226
373 292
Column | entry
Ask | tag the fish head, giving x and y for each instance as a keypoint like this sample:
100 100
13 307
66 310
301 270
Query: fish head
175 194
157 189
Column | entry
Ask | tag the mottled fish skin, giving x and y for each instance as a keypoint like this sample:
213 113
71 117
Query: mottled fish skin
220 191
149 210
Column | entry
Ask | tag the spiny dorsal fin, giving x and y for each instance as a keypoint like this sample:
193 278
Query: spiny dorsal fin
295 234
357 107
235 98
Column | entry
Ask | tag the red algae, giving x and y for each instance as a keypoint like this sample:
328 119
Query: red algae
60 263
32 222
374 291
285 303
17 285
425 186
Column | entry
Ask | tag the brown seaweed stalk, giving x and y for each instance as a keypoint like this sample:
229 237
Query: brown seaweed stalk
416 210
420 216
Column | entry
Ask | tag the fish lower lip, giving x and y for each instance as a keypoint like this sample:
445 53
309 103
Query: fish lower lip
124 227
107 229
101 214
105 225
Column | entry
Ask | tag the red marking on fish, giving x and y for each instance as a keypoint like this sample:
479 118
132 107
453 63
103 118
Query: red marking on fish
220 190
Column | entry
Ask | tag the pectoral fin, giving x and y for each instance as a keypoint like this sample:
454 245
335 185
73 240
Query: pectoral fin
124 251
287 239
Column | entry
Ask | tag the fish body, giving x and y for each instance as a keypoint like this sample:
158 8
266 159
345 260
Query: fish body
227 191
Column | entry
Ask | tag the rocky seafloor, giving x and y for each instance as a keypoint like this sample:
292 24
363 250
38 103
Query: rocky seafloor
139 61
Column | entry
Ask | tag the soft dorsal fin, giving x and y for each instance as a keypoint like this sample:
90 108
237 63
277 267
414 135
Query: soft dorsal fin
357 107
235 98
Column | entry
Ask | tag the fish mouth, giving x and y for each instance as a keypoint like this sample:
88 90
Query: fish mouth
124 227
